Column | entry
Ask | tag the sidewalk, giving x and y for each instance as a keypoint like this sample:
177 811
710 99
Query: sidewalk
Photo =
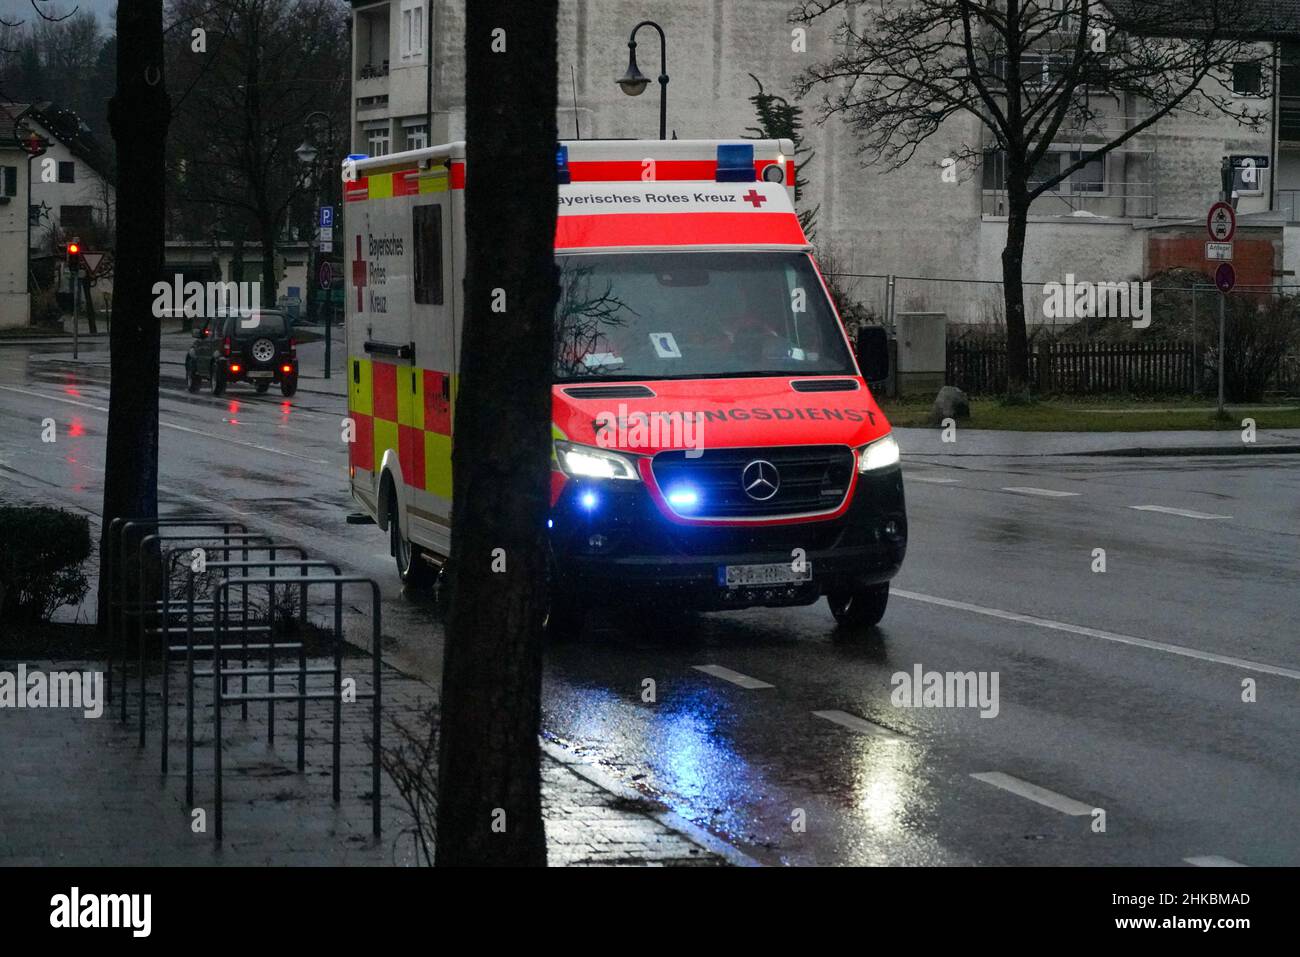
1013 444
78 791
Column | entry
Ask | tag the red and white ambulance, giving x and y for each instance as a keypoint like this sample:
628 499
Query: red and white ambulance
715 438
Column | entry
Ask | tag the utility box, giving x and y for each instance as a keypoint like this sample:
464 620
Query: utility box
922 352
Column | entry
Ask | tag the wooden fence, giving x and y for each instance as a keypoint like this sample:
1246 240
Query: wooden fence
1077 368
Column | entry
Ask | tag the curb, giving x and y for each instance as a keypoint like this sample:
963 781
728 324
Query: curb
1243 449
674 822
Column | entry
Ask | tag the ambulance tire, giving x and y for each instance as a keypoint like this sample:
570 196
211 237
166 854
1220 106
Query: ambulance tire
262 386
413 570
192 381
217 384
861 607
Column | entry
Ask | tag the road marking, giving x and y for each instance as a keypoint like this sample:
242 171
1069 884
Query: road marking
1242 663
933 481
860 725
1044 492
1212 860
1184 512
1057 802
169 425
735 677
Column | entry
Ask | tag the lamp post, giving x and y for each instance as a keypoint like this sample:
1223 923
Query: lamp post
307 154
634 81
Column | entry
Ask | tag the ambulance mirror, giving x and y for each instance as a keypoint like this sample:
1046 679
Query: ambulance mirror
873 353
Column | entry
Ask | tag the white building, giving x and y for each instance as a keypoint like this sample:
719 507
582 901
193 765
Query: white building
13 232
1126 214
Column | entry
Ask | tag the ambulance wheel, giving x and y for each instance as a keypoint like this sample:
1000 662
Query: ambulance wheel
288 386
192 381
860 607
218 381
262 386
414 571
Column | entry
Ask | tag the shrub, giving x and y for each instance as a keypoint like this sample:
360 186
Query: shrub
41 552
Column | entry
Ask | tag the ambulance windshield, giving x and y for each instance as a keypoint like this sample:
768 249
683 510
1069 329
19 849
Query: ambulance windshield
685 315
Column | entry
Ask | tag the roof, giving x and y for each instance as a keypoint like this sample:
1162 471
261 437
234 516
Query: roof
63 125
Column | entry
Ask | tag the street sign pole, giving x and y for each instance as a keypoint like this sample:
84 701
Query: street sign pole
1221 224
1223 298
76 338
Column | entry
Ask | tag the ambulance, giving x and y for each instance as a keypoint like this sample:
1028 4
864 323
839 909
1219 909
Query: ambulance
716 445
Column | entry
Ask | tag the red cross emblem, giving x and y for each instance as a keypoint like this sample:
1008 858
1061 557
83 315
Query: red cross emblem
359 275
755 197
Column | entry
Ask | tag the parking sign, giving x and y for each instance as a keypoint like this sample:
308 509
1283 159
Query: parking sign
326 217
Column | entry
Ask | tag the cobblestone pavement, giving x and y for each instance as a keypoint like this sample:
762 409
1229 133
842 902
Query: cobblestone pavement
79 791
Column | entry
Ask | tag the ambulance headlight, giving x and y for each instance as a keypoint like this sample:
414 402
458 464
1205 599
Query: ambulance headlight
583 461
880 454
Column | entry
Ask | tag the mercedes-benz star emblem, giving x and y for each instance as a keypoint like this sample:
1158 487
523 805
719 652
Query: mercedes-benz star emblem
760 480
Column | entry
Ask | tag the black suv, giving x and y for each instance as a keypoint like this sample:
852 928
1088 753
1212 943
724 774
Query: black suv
257 348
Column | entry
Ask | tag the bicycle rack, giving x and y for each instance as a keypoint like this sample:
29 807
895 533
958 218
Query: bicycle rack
145 606
109 556
270 647
165 630
221 698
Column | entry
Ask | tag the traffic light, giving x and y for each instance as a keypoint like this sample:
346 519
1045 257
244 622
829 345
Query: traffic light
74 253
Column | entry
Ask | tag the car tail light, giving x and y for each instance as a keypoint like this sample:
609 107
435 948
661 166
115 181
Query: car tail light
293 347
234 368
286 368
225 345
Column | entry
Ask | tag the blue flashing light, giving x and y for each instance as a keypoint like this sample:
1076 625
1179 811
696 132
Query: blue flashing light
683 499
735 163
589 500
550 523
562 164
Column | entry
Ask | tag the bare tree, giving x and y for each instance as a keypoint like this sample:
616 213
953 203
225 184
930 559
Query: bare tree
267 65
1027 74
489 791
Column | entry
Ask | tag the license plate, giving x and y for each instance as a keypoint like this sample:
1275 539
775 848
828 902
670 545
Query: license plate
781 573
261 374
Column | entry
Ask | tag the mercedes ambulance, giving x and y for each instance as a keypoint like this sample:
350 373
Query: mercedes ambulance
715 438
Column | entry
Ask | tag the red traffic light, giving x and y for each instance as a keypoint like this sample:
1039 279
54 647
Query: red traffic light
73 249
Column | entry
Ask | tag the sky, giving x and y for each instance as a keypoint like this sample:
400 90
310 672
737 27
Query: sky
22 9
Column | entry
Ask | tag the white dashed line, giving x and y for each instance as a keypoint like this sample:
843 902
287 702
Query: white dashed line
1057 802
1212 860
1043 492
860 725
1242 663
1184 512
735 677
933 481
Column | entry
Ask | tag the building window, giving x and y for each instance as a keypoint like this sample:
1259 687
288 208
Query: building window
411 38
1090 180
417 137
76 217
426 226
67 172
378 142
9 181
1248 78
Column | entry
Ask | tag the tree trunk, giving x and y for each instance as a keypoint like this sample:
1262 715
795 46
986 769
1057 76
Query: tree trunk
489 793
1013 289
139 114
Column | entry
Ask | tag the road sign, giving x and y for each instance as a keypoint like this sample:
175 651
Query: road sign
1221 252
1225 277
92 262
325 274
326 217
1243 162
327 234
327 246
1222 222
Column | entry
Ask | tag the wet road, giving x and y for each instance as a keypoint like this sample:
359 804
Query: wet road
1120 737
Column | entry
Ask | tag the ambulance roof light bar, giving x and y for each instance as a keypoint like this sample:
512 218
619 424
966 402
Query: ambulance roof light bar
735 163
562 172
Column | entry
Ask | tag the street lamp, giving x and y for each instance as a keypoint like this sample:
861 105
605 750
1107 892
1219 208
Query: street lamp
307 154
634 81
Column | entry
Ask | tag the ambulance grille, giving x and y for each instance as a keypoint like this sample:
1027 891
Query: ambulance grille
813 478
